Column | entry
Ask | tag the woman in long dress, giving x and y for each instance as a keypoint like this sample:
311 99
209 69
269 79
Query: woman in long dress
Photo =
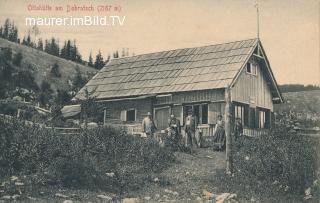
219 135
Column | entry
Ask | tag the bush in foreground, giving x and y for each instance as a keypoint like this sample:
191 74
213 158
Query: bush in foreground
103 158
280 163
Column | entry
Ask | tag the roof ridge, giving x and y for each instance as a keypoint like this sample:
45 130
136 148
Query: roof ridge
126 57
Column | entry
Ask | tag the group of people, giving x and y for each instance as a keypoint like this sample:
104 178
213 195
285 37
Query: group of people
190 127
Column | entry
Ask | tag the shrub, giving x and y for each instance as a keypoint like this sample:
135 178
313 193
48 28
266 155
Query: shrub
7 52
55 70
17 59
279 163
80 160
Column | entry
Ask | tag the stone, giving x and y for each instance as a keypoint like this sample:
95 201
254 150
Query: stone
15 196
6 197
110 174
67 201
232 196
156 180
222 198
104 197
14 178
157 196
130 200
61 195
32 198
19 183
308 197
198 199
307 191
207 195
147 198
171 192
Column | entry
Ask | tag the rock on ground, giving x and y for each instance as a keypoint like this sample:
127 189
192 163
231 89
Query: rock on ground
130 200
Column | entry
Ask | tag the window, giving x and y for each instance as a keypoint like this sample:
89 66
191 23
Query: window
131 115
128 115
262 119
241 111
200 111
252 68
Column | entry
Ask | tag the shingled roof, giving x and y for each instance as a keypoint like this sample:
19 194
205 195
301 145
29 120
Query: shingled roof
189 69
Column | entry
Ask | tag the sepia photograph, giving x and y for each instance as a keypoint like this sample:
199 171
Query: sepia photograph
146 101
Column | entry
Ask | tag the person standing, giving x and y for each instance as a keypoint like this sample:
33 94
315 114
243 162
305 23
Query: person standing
219 134
238 129
190 129
148 126
175 128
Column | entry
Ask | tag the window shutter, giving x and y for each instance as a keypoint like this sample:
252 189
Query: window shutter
123 115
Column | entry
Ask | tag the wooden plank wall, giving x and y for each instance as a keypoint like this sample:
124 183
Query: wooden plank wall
192 97
252 90
142 106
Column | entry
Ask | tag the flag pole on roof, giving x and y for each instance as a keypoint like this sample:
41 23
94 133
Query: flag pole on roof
258 18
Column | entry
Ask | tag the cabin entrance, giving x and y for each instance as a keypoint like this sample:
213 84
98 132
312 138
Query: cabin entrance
161 116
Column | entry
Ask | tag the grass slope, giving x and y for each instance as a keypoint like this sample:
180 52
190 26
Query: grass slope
43 62
300 102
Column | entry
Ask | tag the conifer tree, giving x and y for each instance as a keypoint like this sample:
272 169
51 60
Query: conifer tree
90 63
99 63
40 45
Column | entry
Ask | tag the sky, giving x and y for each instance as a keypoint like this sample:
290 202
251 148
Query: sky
289 29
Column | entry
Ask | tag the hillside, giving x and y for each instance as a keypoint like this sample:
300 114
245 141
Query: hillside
303 105
43 62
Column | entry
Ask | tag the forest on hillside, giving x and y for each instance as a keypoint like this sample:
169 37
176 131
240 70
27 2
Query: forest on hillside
297 87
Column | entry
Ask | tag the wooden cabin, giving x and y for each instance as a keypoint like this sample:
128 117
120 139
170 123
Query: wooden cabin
175 81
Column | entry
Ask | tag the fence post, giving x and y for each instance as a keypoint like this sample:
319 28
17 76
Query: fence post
228 131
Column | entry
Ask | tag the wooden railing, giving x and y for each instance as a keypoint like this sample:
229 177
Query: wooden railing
255 132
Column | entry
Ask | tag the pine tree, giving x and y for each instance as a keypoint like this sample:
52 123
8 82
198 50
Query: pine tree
99 63
13 33
116 54
63 50
55 70
6 29
40 45
78 80
68 50
47 46
123 54
24 41
90 63
54 47
28 42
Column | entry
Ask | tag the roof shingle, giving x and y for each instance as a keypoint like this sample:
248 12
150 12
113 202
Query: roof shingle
189 69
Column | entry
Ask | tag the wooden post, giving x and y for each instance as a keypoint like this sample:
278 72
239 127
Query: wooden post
104 116
228 131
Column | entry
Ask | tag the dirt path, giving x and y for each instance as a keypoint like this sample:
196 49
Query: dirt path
186 179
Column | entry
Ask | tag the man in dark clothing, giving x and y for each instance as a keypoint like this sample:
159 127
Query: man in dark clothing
190 129
174 125
238 129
